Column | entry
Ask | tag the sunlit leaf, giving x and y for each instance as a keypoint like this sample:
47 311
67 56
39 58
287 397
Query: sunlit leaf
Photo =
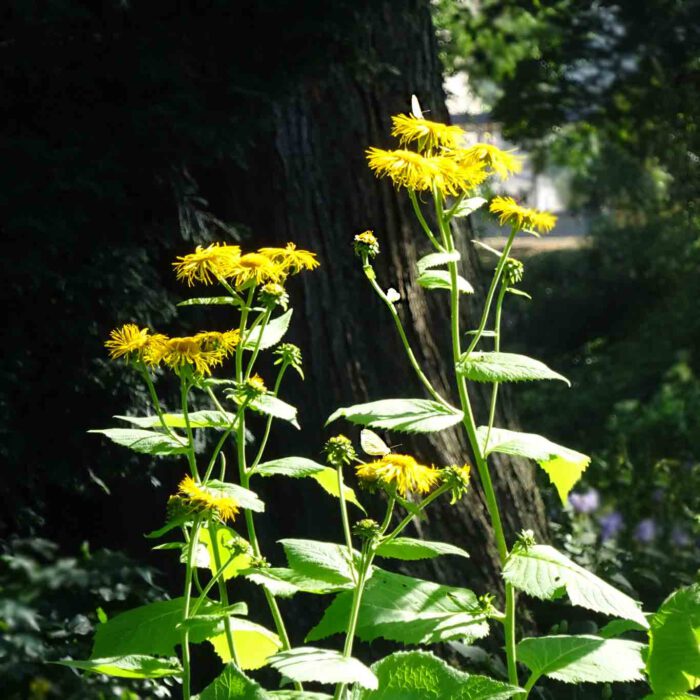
130 666
504 367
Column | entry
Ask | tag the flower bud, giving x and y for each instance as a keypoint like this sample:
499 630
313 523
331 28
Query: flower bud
366 244
513 271
366 529
339 451
457 478
273 294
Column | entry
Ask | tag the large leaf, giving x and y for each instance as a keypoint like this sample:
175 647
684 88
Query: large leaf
324 561
285 583
563 466
244 497
504 367
152 629
272 406
272 333
323 666
254 644
231 684
404 415
543 572
198 419
130 666
226 539
468 206
440 279
405 609
673 663
297 467
419 675
409 549
212 301
145 441
436 259
583 658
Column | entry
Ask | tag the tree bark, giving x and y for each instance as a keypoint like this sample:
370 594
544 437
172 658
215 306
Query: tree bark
319 194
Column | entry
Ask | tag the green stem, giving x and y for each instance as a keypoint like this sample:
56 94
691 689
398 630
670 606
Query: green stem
369 273
345 519
262 321
154 398
185 641
223 593
211 583
422 221
268 424
497 348
184 390
421 507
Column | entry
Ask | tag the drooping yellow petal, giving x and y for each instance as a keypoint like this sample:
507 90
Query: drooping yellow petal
208 264
429 135
127 340
510 212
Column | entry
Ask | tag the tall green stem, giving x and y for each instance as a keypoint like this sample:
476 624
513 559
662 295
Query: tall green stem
184 637
184 390
154 398
344 517
422 221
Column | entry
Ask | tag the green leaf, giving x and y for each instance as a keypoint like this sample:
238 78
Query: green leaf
212 301
129 666
323 666
583 658
673 663
519 293
226 539
409 549
272 333
440 279
297 695
145 441
198 419
285 583
253 643
468 206
564 466
504 367
436 259
404 415
324 561
272 406
244 497
150 629
616 628
408 610
328 481
420 675
231 684
543 572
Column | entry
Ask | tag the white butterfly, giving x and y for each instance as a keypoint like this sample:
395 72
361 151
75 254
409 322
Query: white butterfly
372 444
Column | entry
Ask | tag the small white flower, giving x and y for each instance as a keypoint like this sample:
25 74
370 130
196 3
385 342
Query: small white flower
392 295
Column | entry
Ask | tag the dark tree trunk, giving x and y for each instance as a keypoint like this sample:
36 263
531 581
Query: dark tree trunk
319 194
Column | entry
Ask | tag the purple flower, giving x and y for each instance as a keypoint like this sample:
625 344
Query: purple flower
586 503
645 531
679 536
610 525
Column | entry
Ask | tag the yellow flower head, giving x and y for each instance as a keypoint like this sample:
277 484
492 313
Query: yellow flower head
225 342
522 217
127 340
198 352
256 384
456 176
256 268
402 471
503 163
207 264
291 258
203 498
429 135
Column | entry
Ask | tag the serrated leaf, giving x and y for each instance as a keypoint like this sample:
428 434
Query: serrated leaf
436 259
145 441
616 628
420 675
285 583
129 666
328 481
198 419
583 658
150 629
403 415
272 333
231 684
469 206
244 497
406 609
673 663
409 549
563 466
253 643
440 279
504 367
212 301
323 666
296 695
543 572
324 561
272 406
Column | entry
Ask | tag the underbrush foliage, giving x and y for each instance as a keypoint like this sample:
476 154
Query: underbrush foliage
211 519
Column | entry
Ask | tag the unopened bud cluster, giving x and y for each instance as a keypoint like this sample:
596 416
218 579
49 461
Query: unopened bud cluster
366 244
513 271
339 451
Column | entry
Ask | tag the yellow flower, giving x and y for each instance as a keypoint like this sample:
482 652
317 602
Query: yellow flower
367 238
401 470
456 176
256 268
257 384
503 163
430 135
203 498
522 217
291 258
207 264
127 340
197 352
225 342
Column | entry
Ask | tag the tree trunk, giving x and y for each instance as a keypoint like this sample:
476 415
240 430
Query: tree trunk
319 194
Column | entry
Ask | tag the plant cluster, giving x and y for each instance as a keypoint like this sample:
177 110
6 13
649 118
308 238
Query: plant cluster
214 512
